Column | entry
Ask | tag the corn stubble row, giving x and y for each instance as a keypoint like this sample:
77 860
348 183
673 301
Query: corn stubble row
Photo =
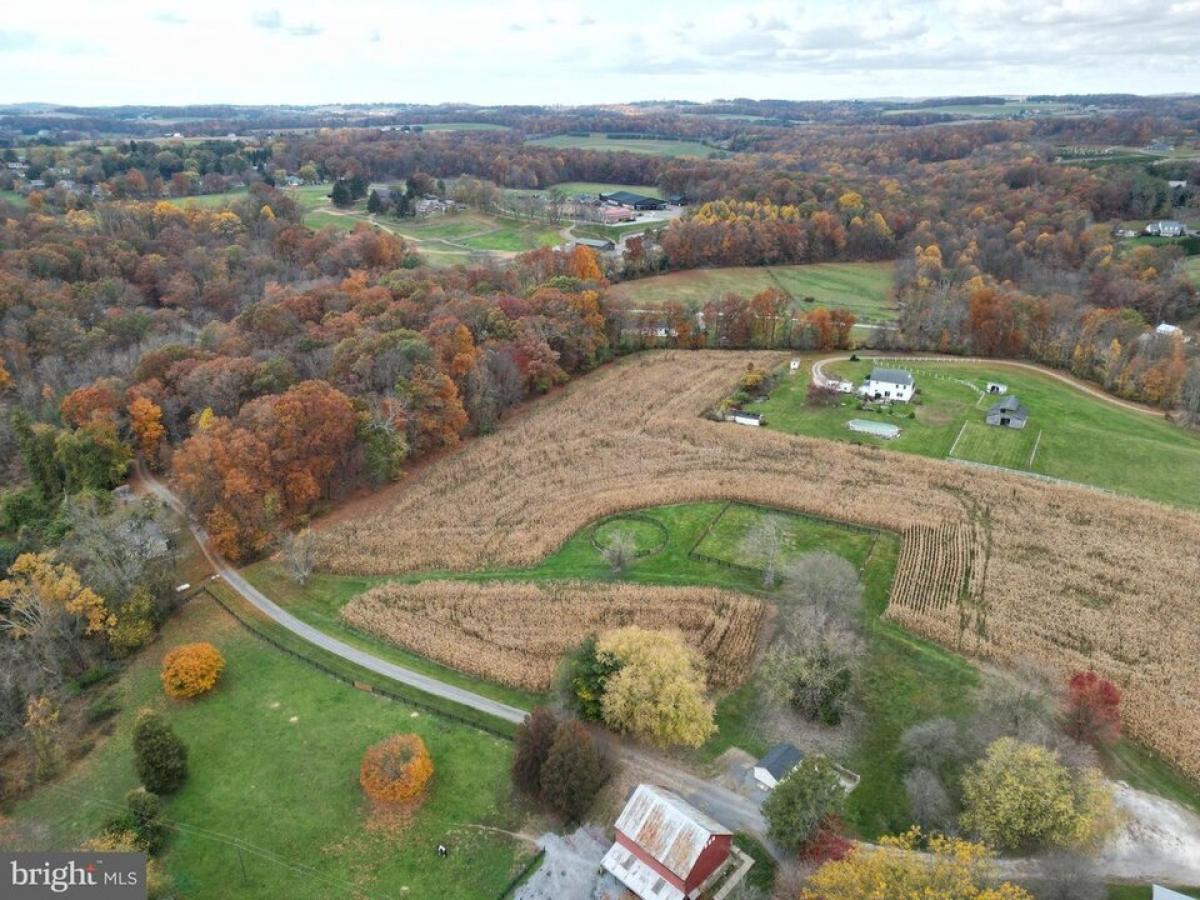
1060 576
516 633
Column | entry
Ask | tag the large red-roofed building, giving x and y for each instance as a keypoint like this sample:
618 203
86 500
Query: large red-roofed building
666 849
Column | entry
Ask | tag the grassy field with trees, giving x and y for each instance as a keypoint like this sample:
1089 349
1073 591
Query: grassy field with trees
596 141
272 796
864 288
1069 435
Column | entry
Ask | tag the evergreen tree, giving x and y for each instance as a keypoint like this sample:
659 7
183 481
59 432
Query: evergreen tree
160 757
574 770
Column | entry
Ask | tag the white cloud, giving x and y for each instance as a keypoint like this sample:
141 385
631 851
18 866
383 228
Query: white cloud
566 51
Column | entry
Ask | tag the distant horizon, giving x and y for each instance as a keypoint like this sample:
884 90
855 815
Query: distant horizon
891 98
133 52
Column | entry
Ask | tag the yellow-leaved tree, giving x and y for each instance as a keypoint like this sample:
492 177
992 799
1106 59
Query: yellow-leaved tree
191 669
38 589
948 869
657 692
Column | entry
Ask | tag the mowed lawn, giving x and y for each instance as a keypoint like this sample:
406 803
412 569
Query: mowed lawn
459 233
863 288
14 199
597 141
1078 437
274 753
1191 266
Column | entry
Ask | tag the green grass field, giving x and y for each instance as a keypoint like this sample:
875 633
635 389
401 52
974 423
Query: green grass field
981 110
863 288
209 201
455 235
597 141
464 126
575 188
1191 266
274 754
1079 437
14 199
614 232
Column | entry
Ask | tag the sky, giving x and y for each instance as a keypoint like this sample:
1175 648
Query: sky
107 52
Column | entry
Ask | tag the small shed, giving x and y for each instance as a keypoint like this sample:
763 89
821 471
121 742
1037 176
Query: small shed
794 365
997 387
1008 413
600 244
777 765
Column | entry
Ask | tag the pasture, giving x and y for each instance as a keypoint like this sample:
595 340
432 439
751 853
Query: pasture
597 141
463 126
1191 266
209 201
865 289
274 754
983 110
1061 576
1078 437
14 199
575 188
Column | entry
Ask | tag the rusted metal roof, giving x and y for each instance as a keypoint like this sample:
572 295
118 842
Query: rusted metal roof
667 827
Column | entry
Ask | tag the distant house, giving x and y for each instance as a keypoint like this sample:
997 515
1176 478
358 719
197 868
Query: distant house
888 384
744 418
1166 330
633 201
1166 228
777 765
679 199
666 849
599 244
1008 413
1176 184
294 181
997 387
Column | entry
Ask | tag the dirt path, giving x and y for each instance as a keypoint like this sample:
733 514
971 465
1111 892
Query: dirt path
1082 386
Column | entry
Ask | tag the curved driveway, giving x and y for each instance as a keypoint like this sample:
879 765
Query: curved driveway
315 636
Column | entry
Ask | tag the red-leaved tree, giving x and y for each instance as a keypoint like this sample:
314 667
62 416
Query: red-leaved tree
1093 709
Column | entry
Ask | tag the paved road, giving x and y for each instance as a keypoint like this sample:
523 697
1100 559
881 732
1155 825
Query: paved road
256 598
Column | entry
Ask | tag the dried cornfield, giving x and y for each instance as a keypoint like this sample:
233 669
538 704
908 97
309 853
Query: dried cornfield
1061 575
517 632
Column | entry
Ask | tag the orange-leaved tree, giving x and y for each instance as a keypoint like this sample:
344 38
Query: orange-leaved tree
145 418
396 769
191 669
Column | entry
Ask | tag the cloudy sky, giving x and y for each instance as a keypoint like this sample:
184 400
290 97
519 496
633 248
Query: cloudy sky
519 51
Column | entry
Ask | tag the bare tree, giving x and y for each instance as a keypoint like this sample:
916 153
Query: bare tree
763 544
619 552
1015 704
299 550
825 590
1069 876
932 743
928 802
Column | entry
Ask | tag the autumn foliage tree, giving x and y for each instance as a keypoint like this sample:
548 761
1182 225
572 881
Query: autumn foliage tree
191 669
948 869
574 770
1093 713
263 471
657 689
532 742
145 420
396 770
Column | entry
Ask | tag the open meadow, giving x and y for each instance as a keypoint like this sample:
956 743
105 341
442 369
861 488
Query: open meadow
994 564
597 141
272 804
1070 434
863 288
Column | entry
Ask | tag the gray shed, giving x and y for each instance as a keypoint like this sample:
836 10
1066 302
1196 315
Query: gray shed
1008 413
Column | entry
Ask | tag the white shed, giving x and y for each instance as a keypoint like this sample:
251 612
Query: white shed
997 387
777 765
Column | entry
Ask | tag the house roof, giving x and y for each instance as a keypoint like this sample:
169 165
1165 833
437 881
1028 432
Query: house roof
594 243
1010 404
892 376
781 759
630 198
667 827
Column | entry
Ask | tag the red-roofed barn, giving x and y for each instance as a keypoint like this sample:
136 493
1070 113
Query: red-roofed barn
666 849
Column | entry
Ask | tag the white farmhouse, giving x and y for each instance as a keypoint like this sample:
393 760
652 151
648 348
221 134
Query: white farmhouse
888 384
1165 330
